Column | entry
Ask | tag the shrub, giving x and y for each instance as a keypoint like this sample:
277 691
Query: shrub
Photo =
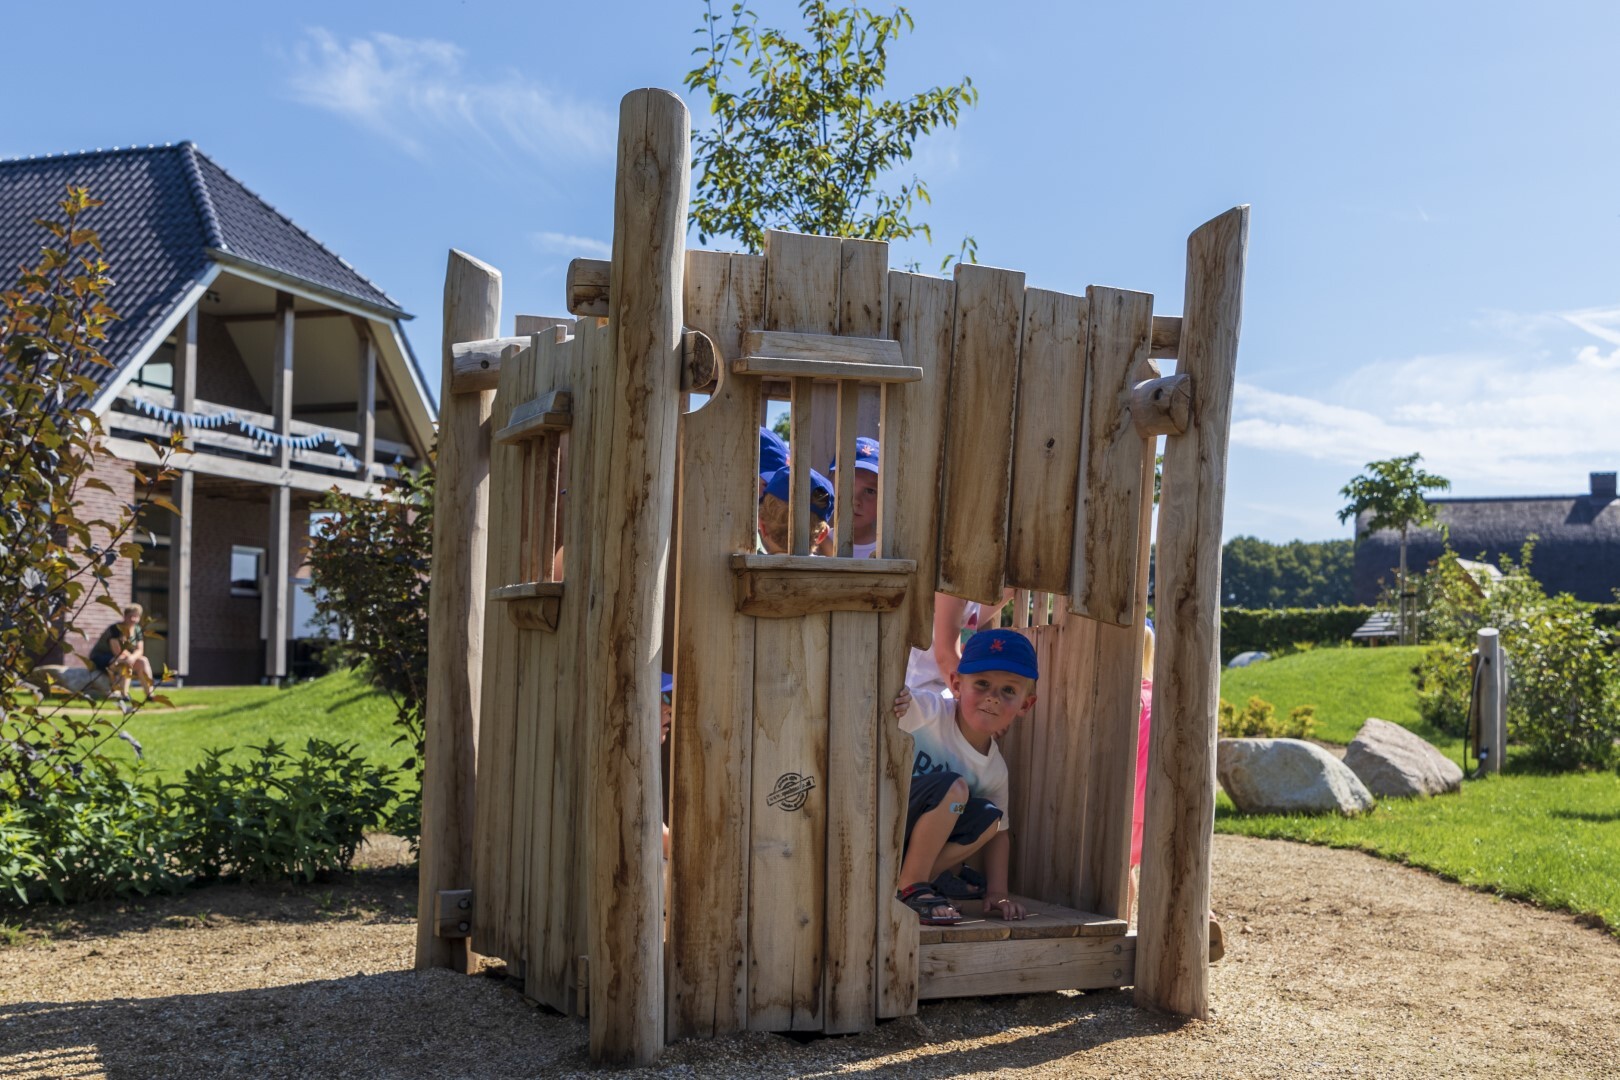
1278 630
1258 720
97 836
1444 683
278 816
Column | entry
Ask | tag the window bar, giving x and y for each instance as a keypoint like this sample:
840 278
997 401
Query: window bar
1021 609
849 403
800 447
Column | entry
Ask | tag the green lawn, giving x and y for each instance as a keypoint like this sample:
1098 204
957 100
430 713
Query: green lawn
1553 840
1550 839
1346 685
338 708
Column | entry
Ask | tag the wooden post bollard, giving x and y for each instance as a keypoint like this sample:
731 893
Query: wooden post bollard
1172 952
472 311
634 458
1492 736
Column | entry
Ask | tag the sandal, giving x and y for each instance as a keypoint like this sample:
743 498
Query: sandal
922 899
965 883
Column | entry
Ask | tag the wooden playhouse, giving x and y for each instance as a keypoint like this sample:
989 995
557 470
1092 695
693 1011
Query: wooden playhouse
1019 428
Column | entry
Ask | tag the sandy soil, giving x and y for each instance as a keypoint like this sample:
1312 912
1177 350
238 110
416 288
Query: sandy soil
1337 964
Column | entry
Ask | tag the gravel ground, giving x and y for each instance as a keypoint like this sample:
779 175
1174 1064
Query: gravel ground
1337 964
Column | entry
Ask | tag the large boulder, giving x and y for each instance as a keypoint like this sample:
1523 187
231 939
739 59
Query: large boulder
1395 763
79 680
1288 776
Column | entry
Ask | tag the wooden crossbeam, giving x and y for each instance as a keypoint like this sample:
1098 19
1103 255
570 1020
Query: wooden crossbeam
551 411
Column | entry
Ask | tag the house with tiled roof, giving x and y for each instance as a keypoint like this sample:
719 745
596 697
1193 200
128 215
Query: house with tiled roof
287 369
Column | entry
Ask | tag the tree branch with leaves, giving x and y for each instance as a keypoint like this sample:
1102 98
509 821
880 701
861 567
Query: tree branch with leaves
1391 493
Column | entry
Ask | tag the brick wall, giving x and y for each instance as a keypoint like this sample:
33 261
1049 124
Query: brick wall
222 377
94 504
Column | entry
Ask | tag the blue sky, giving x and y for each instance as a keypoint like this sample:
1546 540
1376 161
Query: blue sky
1431 260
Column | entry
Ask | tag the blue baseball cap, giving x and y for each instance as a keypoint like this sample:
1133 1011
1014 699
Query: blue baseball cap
773 452
999 650
866 455
668 683
821 491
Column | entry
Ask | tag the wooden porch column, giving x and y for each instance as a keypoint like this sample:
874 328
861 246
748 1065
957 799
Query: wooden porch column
181 493
279 548
1172 952
456 595
634 464
365 421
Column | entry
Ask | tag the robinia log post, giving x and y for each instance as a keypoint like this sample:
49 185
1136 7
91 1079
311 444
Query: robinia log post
1172 952
1491 739
634 462
472 312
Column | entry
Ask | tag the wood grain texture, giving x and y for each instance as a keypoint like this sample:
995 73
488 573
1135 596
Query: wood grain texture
1043 921
712 732
634 458
1166 336
1172 973
896 961
823 371
858 352
913 424
971 969
1162 406
587 286
781 594
472 302
852 823
476 365
1046 441
1102 580
978 450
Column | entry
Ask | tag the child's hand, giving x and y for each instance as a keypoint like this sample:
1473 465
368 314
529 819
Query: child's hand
902 703
1006 907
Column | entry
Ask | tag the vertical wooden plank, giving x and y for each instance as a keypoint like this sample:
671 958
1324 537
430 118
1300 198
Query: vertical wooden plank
978 451
920 318
1173 947
711 759
472 303
799 457
896 963
863 311
844 496
634 456
366 409
1046 441
852 822
1021 609
1103 578
278 556
500 694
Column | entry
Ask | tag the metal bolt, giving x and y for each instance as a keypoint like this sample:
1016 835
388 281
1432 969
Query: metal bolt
464 927
1118 949
1119 973
464 903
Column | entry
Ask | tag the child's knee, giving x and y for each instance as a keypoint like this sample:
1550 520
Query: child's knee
958 795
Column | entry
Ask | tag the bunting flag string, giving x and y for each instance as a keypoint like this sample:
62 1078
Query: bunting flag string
176 418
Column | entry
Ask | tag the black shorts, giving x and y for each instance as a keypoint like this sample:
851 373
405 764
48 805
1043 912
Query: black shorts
930 789
101 661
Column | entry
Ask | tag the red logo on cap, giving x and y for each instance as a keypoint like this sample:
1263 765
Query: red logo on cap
995 646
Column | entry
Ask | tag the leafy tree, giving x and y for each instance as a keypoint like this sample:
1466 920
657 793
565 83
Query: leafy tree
369 562
54 563
1259 574
804 144
1392 491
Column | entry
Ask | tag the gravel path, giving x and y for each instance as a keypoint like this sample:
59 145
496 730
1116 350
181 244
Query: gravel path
1337 964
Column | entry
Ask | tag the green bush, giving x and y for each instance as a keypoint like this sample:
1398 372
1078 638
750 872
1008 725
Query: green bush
1278 630
276 815
92 838
1258 720
1444 681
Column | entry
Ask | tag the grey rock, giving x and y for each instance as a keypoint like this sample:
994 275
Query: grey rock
1244 659
80 680
1288 776
1395 763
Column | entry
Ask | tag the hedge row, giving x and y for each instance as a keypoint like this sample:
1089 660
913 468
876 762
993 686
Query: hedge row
1273 629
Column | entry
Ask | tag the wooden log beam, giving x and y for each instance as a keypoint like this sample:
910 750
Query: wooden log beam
700 363
472 308
588 283
1172 971
182 494
1165 341
634 458
1162 406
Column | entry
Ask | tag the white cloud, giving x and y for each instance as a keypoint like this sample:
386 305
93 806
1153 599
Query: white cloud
418 93
1508 422
553 243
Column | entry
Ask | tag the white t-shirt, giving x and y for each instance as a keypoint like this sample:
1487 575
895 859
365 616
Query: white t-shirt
922 670
941 747
865 551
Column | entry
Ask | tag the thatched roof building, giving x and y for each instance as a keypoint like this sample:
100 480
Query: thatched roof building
1577 547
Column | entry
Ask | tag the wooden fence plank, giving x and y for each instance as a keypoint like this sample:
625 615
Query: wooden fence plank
1046 441
920 314
1103 577
852 822
978 451
714 669
472 307
896 963
1171 970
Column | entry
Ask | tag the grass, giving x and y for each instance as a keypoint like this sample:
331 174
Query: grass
339 708
1553 840
1346 685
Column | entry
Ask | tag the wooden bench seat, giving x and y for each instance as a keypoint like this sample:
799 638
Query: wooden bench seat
1043 921
1054 948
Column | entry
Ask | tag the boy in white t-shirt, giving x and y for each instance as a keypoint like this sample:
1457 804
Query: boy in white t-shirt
959 793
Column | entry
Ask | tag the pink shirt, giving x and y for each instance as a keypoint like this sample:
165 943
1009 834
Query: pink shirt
1141 771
